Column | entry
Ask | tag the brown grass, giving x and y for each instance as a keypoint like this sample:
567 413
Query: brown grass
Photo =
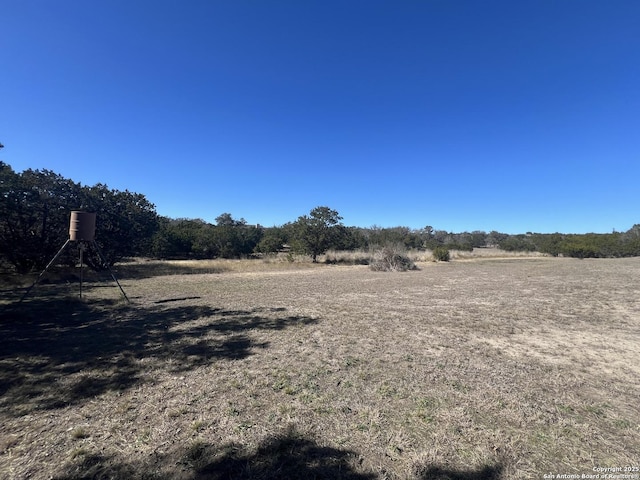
488 368
364 256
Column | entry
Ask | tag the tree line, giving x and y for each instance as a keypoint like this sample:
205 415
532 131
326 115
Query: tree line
589 245
34 221
35 207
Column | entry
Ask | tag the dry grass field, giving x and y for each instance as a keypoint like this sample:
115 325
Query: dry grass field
480 368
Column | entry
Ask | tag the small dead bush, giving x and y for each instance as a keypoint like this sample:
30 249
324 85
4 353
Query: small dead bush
391 259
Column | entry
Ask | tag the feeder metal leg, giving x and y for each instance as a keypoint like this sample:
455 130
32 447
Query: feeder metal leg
45 270
104 261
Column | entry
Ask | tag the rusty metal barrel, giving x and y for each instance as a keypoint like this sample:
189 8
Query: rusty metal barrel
82 226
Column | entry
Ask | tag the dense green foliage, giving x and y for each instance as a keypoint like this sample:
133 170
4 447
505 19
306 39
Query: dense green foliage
125 224
590 245
34 219
184 238
273 240
317 232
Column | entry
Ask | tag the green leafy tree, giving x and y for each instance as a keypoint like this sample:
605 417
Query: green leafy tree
315 233
227 235
178 238
350 238
272 241
550 244
125 223
478 239
494 238
34 215
578 248
631 241
517 243
404 236
35 206
234 238
228 238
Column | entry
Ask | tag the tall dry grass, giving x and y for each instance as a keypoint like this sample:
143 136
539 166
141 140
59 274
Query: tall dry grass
364 256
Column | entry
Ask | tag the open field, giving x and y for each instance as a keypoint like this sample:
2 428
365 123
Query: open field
484 368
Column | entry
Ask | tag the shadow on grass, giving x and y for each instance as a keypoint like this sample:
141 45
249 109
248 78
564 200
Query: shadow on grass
138 270
59 351
11 282
488 472
288 456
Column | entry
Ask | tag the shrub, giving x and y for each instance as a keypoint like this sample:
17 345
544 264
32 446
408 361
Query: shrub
391 259
441 254
517 243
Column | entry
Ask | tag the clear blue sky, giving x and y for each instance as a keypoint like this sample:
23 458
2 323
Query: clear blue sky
514 115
